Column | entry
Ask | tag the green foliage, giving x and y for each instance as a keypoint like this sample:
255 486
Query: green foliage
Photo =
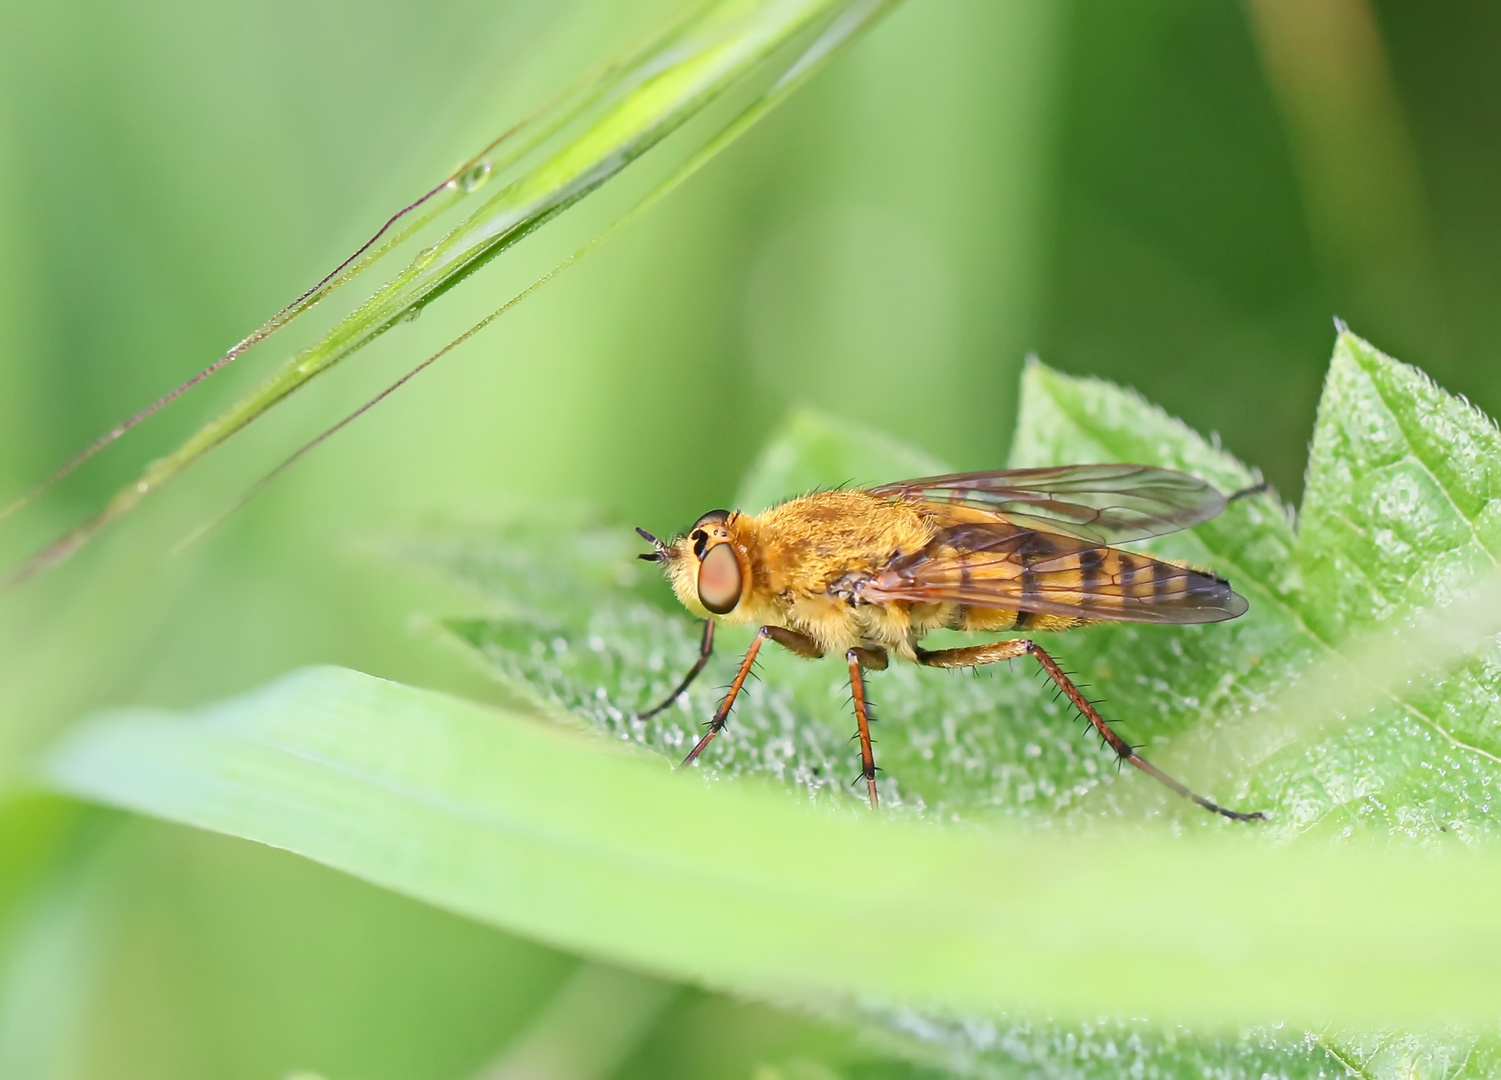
492 816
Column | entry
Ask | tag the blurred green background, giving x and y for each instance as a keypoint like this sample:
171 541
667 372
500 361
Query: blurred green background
1178 195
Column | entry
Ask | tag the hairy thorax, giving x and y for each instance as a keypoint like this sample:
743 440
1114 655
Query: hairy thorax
810 557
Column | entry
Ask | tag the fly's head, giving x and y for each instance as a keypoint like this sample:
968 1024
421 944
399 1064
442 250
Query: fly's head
708 566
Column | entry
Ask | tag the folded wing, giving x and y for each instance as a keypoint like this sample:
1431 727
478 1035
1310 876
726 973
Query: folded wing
999 564
1105 504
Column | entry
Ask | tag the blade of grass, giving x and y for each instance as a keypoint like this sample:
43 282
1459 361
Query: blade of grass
548 833
860 15
502 152
668 82
340 274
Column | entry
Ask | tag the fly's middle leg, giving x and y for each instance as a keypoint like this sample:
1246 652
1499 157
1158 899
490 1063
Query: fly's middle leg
1006 650
875 659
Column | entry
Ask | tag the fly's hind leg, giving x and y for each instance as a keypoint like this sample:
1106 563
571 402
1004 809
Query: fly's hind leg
1007 650
875 659
788 639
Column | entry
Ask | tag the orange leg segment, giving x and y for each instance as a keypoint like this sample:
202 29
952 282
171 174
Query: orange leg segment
875 659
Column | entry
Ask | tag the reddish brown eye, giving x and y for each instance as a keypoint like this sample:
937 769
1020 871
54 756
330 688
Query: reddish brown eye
719 580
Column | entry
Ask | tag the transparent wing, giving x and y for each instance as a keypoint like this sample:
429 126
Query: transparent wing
1106 504
1000 565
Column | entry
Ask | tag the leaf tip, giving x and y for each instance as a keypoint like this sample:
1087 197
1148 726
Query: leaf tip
1036 376
1350 347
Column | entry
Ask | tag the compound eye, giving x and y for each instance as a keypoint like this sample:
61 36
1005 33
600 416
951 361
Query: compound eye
719 580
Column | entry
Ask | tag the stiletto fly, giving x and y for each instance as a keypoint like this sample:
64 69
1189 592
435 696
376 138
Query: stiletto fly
867 574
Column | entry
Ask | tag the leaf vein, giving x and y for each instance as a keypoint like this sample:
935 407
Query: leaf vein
1333 1051
1412 451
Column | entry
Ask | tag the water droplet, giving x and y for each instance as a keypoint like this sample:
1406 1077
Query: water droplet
412 313
474 177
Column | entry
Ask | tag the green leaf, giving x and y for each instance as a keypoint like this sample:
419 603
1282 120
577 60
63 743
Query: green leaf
528 826
1399 514
1404 492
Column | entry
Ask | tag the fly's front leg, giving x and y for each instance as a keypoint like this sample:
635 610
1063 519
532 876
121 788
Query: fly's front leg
788 639
705 649
1007 650
875 659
